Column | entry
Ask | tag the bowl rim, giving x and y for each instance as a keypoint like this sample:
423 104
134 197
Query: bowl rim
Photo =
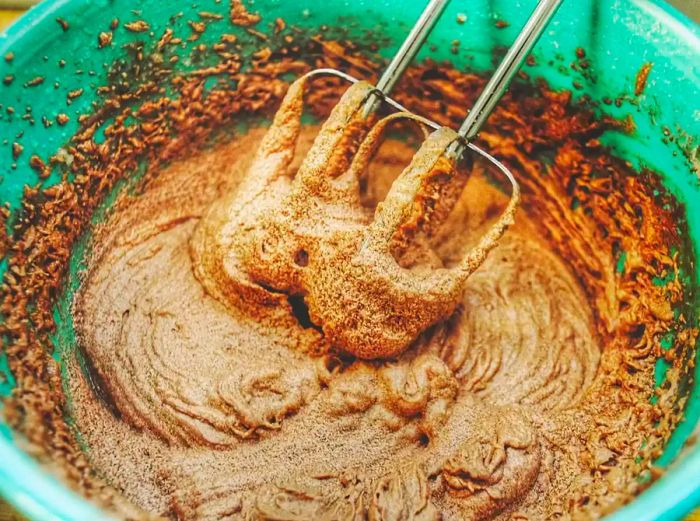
671 497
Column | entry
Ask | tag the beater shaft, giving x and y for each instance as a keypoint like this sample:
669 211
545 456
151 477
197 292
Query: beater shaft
498 84
409 48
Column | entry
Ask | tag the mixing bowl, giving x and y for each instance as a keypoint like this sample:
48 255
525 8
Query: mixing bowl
621 37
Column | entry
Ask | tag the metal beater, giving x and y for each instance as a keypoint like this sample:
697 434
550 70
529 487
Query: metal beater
397 304
494 89
306 232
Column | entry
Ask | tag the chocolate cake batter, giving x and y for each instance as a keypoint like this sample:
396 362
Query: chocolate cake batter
246 406
452 426
530 397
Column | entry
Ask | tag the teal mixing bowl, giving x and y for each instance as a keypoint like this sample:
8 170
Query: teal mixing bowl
619 36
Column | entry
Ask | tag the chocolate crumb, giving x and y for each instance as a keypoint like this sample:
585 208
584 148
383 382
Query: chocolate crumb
165 39
35 81
75 94
39 166
640 81
259 35
197 29
138 26
16 150
63 23
206 15
104 39
239 14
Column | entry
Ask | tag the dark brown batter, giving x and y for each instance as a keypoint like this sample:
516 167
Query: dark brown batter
530 400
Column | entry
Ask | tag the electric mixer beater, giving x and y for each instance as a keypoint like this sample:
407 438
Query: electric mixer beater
306 234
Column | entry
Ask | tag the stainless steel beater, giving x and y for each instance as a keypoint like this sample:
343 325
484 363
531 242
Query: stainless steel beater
492 92
348 263
502 76
395 304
